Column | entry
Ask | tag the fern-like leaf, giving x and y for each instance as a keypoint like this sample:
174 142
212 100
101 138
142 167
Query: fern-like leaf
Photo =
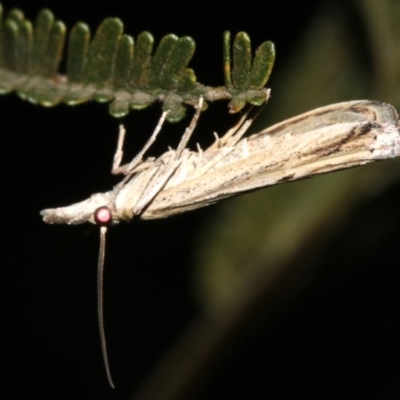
112 67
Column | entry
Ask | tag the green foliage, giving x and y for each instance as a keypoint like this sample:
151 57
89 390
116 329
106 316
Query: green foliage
246 78
113 67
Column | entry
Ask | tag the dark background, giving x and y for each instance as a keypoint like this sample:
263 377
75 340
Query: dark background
339 339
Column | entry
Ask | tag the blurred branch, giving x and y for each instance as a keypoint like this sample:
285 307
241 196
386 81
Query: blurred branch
383 29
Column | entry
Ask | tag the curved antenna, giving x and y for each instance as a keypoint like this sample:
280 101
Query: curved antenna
100 274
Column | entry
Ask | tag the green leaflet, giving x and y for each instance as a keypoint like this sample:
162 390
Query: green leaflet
113 67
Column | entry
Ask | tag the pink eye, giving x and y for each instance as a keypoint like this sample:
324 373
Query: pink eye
103 216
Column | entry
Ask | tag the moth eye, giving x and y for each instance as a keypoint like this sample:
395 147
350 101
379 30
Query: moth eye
103 216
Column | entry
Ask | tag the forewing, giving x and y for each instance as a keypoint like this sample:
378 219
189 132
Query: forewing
327 139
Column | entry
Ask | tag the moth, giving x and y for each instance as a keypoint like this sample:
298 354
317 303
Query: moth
326 139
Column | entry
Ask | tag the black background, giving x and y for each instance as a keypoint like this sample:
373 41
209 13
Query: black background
339 340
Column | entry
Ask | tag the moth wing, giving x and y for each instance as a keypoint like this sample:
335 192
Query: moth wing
326 139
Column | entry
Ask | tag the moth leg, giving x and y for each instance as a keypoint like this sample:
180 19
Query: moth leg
232 141
220 142
129 168
169 166
232 137
198 160
155 185
119 152
189 130
225 145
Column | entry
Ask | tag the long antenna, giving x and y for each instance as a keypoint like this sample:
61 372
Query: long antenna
100 274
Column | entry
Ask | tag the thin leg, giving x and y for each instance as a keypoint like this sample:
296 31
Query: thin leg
119 152
126 169
161 177
189 130
236 131
226 144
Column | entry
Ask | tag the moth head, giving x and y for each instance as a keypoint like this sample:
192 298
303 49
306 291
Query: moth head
97 209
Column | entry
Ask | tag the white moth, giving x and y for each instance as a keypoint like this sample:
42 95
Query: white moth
326 139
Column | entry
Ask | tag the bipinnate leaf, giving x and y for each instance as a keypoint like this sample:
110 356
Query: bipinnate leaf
112 67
